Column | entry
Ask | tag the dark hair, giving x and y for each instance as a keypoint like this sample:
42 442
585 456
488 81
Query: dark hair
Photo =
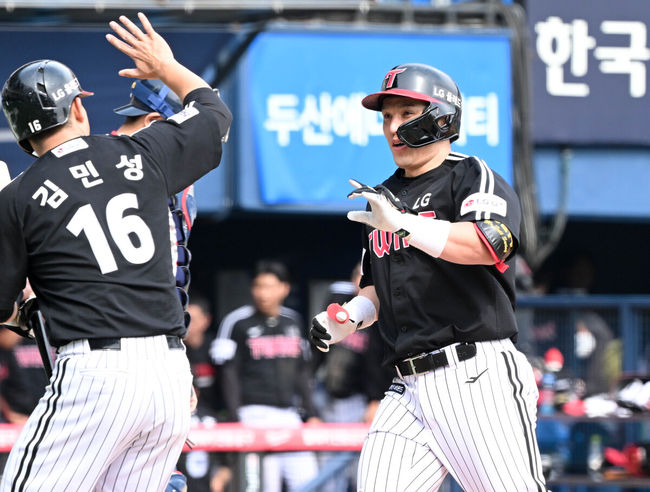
273 267
129 120
200 301
36 140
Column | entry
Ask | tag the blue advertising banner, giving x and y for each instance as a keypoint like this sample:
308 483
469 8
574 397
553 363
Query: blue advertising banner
589 71
306 132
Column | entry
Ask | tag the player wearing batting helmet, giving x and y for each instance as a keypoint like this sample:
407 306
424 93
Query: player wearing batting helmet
439 238
88 222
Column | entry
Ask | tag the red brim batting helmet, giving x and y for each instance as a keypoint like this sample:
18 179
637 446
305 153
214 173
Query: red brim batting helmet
423 83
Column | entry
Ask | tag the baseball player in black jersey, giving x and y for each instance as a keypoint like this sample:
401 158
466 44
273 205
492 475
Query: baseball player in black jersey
88 223
438 241
265 359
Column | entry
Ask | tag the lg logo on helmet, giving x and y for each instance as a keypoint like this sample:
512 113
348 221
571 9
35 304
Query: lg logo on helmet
67 89
445 95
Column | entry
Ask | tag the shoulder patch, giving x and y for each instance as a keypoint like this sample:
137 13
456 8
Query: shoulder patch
184 115
69 147
484 202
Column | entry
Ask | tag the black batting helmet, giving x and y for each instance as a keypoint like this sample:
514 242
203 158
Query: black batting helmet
150 95
424 83
37 97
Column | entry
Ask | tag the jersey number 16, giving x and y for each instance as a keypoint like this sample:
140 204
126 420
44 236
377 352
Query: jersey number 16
120 227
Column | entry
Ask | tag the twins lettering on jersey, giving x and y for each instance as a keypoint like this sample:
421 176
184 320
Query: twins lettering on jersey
287 345
382 242
274 347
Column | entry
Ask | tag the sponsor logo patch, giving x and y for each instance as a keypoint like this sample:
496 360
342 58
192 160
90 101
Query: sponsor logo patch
184 115
69 147
484 202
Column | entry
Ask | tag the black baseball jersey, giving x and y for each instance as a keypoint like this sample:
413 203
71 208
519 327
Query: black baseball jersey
266 359
426 302
88 223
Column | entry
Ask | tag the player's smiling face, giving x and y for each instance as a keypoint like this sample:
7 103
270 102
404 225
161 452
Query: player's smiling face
397 110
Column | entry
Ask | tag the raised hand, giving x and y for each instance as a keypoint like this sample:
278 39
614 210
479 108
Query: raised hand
149 51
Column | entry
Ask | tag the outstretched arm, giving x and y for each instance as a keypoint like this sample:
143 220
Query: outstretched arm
152 56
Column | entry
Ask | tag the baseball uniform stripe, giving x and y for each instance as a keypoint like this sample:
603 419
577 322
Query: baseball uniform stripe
448 434
529 432
487 186
464 419
481 188
41 429
496 420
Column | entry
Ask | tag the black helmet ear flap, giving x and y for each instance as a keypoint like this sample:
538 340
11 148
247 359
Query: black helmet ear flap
425 129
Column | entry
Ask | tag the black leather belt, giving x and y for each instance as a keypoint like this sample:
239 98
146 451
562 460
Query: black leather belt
430 362
173 342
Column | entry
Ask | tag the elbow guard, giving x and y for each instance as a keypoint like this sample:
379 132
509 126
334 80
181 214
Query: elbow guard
498 238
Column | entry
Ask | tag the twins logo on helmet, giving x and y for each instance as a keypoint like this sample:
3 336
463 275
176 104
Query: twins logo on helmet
440 120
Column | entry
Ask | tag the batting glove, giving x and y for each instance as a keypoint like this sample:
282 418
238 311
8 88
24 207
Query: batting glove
387 211
338 321
389 214
20 323
331 326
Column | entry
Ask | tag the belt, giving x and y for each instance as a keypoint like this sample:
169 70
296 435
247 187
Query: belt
173 342
429 362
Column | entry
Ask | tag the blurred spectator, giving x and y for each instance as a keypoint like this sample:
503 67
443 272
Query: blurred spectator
599 353
22 379
205 472
197 345
352 384
266 359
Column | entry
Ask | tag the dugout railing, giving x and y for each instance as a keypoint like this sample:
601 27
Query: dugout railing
545 321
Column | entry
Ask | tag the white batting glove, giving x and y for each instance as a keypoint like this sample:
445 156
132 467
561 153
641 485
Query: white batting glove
338 322
387 212
391 215
331 326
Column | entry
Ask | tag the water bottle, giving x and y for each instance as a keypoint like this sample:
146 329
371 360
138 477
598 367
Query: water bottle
547 394
595 457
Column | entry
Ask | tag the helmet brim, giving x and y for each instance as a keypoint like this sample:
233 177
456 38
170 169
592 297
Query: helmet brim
133 108
129 110
374 101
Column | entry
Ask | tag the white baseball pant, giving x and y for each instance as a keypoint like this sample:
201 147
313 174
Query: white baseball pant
474 419
109 420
